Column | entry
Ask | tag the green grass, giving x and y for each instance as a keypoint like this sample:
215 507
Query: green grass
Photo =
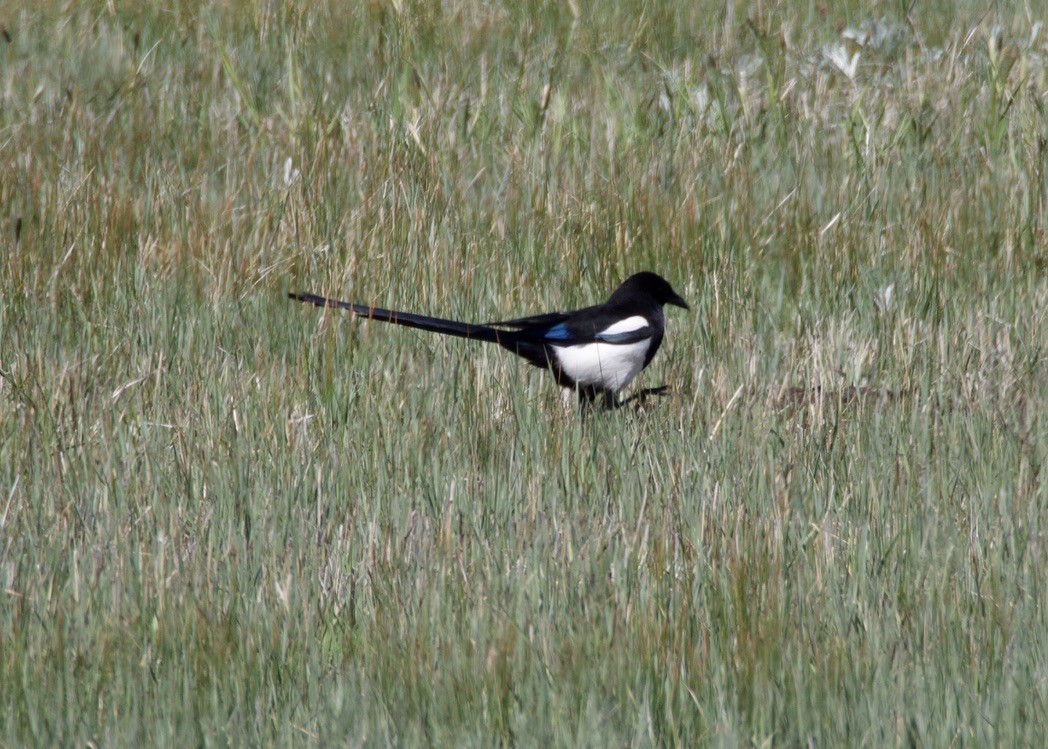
229 519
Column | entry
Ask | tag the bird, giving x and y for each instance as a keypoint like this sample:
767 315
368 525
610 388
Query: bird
595 351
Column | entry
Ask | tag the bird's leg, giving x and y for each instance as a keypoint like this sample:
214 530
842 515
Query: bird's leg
642 395
587 398
593 398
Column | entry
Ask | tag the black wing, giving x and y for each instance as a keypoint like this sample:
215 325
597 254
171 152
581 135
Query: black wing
581 327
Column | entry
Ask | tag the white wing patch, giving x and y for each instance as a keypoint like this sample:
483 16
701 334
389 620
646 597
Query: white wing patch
629 325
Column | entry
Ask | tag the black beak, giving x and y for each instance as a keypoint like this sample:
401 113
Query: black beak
678 301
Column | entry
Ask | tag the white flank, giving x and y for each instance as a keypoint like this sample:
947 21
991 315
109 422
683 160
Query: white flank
606 365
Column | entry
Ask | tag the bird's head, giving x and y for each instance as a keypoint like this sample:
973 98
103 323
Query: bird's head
652 285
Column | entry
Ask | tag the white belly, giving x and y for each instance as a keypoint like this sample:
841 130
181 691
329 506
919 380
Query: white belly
605 365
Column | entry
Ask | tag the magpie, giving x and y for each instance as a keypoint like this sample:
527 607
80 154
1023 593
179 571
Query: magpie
595 351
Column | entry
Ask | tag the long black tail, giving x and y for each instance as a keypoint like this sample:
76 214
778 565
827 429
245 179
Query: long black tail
507 339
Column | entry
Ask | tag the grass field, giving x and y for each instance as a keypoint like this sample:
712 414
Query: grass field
226 518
